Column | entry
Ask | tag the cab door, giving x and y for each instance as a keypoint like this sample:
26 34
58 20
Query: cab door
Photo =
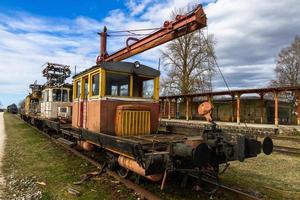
84 103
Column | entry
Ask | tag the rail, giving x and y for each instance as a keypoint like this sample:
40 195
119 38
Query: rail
287 150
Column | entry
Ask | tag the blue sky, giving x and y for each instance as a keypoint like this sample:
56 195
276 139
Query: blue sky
33 32
96 9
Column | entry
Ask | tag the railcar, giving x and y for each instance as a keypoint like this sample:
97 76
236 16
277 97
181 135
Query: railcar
12 109
49 105
116 108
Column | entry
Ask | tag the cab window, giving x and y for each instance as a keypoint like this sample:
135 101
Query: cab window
95 85
148 88
45 95
86 87
143 87
117 84
70 95
77 89
60 95
65 95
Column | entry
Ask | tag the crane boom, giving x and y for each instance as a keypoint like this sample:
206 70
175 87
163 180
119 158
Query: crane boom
182 25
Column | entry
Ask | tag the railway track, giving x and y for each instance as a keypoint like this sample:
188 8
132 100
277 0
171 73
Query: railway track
286 150
288 138
285 138
145 194
237 193
129 184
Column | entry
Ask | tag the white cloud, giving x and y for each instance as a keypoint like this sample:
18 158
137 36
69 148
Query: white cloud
138 6
249 34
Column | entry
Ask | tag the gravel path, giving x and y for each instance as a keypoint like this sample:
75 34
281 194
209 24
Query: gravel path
2 138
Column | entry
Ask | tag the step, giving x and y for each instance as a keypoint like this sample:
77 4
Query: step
66 142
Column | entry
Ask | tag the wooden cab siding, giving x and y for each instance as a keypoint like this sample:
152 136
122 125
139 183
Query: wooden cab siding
98 115
96 110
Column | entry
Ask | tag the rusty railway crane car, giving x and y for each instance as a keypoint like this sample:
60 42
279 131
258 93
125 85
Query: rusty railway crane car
49 105
116 108
13 109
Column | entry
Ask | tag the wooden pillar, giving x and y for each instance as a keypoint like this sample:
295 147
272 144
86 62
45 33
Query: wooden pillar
275 108
298 106
161 108
175 109
261 108
187 108
238 103
164 108
169 108
191 108
232 105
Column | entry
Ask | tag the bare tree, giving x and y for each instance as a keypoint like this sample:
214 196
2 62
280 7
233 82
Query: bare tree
189 64
288 71
288 65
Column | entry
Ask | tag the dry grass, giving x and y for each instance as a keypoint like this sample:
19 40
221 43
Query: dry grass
275 177
29 155
285 143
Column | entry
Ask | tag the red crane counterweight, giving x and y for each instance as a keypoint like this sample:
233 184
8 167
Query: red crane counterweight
182 25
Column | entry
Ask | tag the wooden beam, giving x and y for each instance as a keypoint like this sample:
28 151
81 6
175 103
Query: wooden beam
169 108
276 108
191 108
238 100
246 91
161 107
298 106
232 107
261 108
164 108
175 109
187 108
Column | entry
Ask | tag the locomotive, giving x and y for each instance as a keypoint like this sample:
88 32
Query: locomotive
12 109
116 108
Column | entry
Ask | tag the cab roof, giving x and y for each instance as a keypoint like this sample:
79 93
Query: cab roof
125 67
62 86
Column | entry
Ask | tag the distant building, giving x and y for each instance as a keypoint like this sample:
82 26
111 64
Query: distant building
252 110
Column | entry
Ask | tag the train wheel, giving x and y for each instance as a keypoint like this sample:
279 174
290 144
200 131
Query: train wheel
123 172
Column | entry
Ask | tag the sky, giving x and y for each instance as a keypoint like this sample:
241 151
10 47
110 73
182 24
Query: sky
248 33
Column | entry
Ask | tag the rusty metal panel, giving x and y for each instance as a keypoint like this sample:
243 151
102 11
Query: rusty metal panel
93 115
132 122
100 116
75 114
109 111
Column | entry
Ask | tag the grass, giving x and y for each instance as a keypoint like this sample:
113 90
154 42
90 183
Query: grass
29 154
274 177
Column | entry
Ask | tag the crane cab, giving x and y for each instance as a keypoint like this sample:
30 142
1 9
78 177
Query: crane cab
117 98
56 102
